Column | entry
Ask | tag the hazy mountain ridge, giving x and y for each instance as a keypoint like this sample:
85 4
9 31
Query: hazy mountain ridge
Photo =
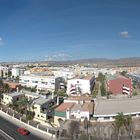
132 61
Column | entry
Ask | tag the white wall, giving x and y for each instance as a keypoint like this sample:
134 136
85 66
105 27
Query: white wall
65 74
78 114
17 72
82 83
40 82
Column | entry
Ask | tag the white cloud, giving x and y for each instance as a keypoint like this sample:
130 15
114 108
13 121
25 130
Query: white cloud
1 41
58 57
125 34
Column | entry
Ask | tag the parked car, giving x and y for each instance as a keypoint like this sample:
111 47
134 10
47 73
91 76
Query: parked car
23 131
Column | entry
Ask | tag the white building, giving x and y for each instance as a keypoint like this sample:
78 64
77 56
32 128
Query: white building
80 85
9 98
17 72
3 71
42 107
42 82
75 107
64 73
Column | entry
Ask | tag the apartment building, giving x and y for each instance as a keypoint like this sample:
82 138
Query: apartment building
80 85
42 82
66 74
117 84
4 71
17 71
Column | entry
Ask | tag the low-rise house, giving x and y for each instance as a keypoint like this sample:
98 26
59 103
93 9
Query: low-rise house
79 108
42 107
9 98
13 85
60 113
31 96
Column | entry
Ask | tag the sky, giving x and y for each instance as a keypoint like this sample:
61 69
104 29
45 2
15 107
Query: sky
69 29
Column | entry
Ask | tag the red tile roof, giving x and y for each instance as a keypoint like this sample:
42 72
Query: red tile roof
13 85
64 106
79 98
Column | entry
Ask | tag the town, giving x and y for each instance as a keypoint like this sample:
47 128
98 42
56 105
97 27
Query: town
73 100
69 70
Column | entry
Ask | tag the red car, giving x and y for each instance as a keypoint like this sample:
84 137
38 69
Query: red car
23 131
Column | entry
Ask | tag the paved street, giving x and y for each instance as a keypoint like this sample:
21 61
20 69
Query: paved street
10 129
4 136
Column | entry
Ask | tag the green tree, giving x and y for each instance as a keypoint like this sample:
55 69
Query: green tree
123 73
134 84
1 86
1 82
108 94
128 125
6 88
103 90
96 89
9 73
119 122
86 124
135 93
101 78
61 92
17 79
6 74
2 73
1 96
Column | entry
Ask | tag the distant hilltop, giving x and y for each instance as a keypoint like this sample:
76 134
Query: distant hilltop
130 61
103 62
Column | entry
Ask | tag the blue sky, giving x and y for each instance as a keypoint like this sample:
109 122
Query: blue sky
69 29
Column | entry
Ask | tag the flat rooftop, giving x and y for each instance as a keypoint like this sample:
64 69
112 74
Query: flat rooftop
40 101
14 94
32 94
112 107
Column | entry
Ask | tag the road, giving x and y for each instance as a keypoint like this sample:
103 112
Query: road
10 129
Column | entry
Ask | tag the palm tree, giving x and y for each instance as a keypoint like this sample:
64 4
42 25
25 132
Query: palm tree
86 124
119 122
6 87
1 86
129 125
1 96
